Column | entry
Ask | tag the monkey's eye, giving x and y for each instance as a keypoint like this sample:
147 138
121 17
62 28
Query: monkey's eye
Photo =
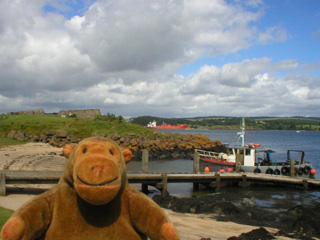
111 152
84 150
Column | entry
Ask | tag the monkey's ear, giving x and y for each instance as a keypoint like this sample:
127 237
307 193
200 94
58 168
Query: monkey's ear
127 154
68 148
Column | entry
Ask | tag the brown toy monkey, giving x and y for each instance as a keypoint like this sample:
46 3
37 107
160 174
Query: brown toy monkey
92 200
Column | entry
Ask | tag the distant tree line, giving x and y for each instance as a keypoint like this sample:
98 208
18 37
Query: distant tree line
144 120
262 123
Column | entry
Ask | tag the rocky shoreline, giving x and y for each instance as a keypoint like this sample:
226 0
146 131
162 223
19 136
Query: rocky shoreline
167 146
297 222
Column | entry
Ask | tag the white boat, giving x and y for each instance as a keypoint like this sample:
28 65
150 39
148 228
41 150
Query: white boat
252 158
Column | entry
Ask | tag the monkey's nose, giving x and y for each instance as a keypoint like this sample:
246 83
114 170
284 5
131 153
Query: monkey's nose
96 171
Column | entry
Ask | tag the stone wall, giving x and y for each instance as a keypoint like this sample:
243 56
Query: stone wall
37 112
89 113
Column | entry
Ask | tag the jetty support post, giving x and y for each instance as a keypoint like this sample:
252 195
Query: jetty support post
163 186
244 183
196 167
145 160
237 162
144 188
2 184
217 182
196 162
305 184
292 168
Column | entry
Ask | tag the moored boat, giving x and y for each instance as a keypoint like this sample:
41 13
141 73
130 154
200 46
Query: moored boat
253 158
153 125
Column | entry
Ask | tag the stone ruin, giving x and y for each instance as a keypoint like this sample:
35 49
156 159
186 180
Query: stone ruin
37 112
89 113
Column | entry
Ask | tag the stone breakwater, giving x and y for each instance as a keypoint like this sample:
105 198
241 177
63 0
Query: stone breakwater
165 146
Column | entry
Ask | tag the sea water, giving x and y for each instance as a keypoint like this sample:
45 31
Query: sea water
278 141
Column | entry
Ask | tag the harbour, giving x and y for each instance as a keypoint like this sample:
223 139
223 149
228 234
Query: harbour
160 180
279 141
247 200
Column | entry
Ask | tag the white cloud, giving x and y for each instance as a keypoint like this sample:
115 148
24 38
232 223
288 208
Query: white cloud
122 57
311 66
127 40
231 75
286 65
273 34
145 36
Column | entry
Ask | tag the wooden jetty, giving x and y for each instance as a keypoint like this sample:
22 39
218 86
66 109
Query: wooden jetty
161 180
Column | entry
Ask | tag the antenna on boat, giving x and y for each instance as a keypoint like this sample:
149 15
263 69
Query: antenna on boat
243 131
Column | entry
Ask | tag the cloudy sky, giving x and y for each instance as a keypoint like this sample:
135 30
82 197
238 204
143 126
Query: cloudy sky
166 58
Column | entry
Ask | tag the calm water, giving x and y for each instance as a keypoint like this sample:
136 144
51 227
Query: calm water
278 141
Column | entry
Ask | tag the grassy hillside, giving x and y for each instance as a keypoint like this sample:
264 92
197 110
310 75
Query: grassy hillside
40 125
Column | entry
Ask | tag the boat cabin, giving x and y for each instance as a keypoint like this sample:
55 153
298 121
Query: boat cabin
245 155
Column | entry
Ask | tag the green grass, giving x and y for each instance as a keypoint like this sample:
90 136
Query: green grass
4 215
77 127
8 141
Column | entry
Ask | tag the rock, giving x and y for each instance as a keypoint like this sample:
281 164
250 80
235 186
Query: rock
175 155
306 219
11 134
19 136
225 208
116 137
62 134
34 138
133 142
196 205
256 234
51 133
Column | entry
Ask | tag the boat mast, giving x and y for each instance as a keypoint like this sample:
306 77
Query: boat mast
243 131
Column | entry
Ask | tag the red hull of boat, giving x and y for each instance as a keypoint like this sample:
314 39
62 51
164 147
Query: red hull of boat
168 126
218 161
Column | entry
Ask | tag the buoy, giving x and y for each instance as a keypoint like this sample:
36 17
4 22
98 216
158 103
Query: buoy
206 169
222 170
229 170
313 172
254 145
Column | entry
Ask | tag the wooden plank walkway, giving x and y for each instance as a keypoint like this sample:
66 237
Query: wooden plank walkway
160 180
